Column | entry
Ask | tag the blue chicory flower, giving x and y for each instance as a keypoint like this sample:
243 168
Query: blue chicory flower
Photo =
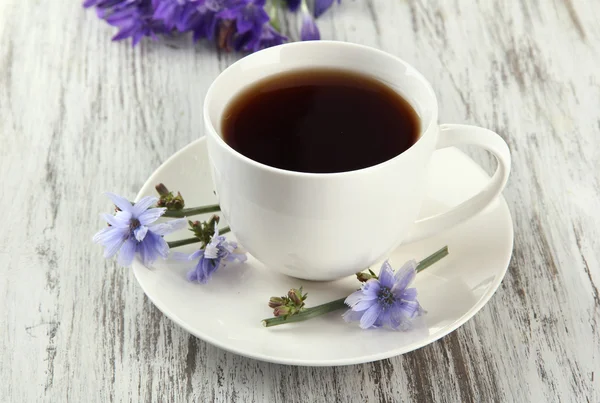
309 30
321 6
131 231
212 256
386 301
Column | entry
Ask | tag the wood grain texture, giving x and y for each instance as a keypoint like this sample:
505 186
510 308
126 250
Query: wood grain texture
80 115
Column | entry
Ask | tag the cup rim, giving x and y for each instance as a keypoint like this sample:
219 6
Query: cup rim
209 124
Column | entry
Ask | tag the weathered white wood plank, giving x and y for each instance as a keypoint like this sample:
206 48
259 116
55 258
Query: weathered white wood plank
80 115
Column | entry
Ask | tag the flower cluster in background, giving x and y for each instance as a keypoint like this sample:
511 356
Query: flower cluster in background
241 25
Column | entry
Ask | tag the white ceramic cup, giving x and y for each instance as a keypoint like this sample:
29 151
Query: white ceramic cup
327 226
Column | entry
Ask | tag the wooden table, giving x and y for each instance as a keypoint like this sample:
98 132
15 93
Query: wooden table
80 115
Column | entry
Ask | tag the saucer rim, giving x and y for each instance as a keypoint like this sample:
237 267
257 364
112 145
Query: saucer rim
360 359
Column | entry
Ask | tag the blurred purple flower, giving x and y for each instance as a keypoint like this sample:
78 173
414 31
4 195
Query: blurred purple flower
309 30
233 24
203 23
134 18
321 6
249 15
293 5
176 13
211 257
251 42
387 300
129 231
197 16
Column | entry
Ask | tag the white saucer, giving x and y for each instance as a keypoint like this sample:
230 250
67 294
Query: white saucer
227 312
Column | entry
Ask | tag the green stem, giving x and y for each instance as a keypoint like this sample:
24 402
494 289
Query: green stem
431 259
273 12
306 314
187 241
186 212
331 306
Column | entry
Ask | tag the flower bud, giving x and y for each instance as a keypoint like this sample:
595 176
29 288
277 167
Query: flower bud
176 203
296 297
363 277
281 311
162 189
275 302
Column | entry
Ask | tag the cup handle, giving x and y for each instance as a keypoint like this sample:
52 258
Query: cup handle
451 135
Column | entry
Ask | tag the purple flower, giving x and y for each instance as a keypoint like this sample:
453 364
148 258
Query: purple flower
203 23
176 13
321 6
129 231
267 37
134 18
387 300
211 257
309 30
249 15
293 5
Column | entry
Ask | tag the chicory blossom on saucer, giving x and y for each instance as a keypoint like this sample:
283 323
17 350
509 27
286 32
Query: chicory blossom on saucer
386 301
131 231
210 258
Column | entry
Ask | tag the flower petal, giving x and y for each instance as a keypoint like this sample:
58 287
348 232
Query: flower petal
140 233
186 256
118 221
321 6
157 246
166 228
409 308
405 275
111 238
309 31
410 294
109 234
364 304
112 246
386 275
240 257
211 251
353 298
383 319
127 253
143 205
352 316
121 202
370 316
371 288
149 216
203 270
